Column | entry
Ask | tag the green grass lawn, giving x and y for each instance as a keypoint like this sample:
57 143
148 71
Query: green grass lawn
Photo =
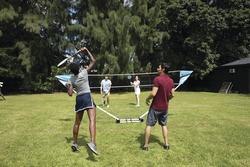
205 129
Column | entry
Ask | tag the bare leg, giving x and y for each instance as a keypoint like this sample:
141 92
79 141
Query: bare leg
104 100
165 134
147 135
2 96
137 100
92 124
76 126
108 99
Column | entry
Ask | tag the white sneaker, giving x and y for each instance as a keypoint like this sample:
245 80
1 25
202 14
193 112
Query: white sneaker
92 147
75 147
107 106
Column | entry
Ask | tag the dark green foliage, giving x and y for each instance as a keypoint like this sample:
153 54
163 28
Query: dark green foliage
188 34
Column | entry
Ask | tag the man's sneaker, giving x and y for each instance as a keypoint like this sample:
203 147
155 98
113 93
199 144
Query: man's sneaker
92 147
107 106
74 147
166 147
145 148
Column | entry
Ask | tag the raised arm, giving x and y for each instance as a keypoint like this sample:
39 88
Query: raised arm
92 59
70 89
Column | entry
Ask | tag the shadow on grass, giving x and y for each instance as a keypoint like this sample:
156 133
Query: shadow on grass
152 139
66 119
82 142
132 104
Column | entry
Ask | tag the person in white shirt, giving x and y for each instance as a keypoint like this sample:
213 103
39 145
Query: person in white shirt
105 90
137 89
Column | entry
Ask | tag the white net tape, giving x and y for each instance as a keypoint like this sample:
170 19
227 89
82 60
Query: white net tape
142 77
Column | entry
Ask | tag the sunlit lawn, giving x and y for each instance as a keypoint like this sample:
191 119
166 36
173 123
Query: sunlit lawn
205 129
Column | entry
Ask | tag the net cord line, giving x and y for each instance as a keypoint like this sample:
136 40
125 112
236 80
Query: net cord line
146 73
125 86
122 86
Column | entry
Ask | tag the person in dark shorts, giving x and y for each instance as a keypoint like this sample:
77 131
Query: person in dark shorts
162 92
79 82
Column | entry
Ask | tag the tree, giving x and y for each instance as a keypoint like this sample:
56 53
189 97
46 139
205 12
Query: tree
234 40
107 31
193 27
29 56
147 35
125 36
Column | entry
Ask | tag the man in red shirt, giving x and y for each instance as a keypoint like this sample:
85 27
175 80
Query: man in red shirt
162 92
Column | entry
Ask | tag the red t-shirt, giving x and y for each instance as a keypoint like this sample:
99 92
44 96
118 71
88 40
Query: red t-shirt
165 85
